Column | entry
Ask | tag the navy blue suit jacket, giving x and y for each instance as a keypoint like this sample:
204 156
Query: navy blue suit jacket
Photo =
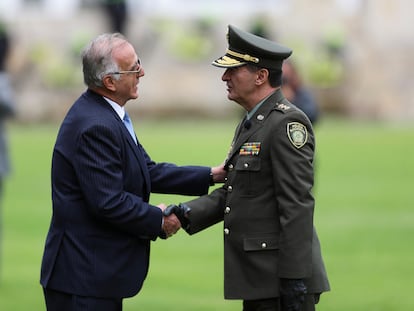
99 238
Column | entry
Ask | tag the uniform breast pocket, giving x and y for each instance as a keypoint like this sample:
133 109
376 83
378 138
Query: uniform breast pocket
248 164
248 169
260 243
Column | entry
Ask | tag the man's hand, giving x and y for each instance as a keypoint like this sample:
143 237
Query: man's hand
219 174
292 294
170 224
181 210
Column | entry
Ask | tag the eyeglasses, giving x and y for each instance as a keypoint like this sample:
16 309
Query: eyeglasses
137 71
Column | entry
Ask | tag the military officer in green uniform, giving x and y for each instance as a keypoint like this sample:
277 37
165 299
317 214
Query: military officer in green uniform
272 256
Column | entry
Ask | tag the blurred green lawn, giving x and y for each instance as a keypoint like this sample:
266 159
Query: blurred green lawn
364 216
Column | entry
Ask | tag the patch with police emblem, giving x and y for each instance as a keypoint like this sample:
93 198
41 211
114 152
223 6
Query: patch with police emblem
297 133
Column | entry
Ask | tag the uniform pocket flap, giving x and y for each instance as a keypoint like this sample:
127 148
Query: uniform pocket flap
248 163
260 243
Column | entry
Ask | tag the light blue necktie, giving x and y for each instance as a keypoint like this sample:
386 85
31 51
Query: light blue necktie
128 124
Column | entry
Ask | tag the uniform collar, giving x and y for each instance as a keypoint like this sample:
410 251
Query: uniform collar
276 96
253 111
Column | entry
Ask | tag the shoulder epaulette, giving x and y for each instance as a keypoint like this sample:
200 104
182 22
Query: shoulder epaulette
283 106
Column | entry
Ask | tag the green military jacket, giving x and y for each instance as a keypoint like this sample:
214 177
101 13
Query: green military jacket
266 205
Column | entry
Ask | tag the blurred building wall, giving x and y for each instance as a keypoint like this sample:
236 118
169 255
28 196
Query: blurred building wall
354 54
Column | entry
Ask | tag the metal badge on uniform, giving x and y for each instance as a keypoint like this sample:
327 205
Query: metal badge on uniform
251 148
297 133
282 107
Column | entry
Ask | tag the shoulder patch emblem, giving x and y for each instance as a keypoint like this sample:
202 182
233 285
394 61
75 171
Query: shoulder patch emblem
297 134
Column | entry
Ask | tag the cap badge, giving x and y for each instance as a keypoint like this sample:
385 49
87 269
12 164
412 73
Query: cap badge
297 134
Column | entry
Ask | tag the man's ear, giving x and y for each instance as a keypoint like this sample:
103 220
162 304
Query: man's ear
262 76
108 83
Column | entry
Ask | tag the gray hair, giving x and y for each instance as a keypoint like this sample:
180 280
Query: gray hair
97 58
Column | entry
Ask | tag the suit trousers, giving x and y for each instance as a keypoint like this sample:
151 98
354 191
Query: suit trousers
273 304
59 301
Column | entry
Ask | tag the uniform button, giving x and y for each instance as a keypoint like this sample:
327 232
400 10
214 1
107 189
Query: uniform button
264 245
229 188
227 210
225 178
246 165
231 166
226 231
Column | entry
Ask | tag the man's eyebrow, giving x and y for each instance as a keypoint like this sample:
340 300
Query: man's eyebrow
135 65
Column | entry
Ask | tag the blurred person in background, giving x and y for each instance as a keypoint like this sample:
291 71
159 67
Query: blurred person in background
117 13
272 255
98 245
297 92
293 86
7 110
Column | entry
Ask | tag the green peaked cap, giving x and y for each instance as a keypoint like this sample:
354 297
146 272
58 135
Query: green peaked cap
247 48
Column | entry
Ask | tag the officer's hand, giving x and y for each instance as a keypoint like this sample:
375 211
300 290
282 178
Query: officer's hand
292 294
180 211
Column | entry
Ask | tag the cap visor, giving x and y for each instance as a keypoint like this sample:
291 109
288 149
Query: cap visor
227 62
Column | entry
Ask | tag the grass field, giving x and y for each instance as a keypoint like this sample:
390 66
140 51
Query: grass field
364 216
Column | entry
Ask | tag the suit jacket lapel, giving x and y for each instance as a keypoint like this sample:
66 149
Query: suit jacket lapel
136 149
139 154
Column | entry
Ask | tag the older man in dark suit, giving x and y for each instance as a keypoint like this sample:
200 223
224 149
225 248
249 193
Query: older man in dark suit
98 245
272 256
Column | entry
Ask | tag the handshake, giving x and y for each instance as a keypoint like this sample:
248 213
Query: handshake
170 225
